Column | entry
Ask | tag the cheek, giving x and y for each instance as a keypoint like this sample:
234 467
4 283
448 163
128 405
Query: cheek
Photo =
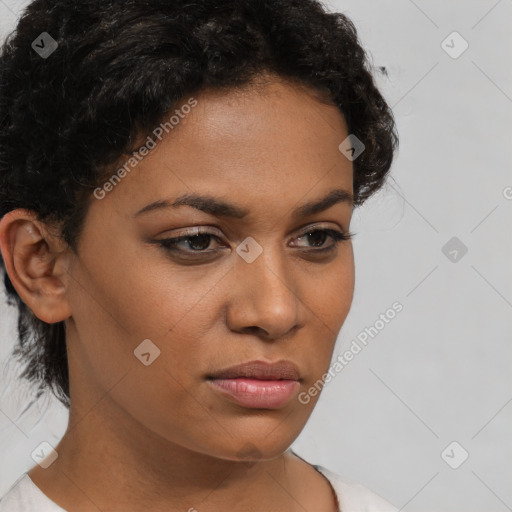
117 304
117 307
339 293
328 292
142 299
328 297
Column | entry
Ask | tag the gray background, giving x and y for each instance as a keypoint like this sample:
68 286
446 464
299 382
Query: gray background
438 372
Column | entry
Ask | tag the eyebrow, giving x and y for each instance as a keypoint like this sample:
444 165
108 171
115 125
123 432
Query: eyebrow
221 208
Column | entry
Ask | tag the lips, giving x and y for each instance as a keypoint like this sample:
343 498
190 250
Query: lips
281 370
257 385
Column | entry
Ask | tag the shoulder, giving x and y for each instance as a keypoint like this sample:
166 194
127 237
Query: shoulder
354 497
25 496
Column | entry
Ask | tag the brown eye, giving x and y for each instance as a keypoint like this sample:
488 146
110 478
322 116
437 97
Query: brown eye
318 237
193 243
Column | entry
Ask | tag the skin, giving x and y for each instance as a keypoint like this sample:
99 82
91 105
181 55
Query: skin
158 437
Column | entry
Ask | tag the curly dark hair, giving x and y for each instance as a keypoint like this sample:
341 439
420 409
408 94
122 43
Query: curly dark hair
120 66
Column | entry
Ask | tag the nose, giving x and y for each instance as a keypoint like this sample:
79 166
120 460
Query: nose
264 298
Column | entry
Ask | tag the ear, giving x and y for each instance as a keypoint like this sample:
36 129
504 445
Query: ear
37 263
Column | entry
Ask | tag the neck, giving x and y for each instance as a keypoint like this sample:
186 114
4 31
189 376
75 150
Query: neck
106 463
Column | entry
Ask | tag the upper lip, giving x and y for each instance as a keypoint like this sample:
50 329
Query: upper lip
281 370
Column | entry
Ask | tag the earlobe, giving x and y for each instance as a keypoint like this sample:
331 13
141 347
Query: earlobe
34 261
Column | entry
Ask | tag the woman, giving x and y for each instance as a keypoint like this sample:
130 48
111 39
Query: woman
177 184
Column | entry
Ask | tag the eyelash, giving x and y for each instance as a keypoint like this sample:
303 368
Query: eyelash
337 237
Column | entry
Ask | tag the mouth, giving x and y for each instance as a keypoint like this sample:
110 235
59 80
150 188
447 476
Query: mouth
257 384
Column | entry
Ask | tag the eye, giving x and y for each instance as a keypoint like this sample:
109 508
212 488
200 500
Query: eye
198 243
318 236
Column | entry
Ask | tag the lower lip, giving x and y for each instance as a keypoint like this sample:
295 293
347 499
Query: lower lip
257 394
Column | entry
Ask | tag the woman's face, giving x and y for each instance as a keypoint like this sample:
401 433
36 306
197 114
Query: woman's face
257 288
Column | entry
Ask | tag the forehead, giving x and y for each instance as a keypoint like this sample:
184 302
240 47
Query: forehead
247 144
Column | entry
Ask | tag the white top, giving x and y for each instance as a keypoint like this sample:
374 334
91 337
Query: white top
25 496
352 497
